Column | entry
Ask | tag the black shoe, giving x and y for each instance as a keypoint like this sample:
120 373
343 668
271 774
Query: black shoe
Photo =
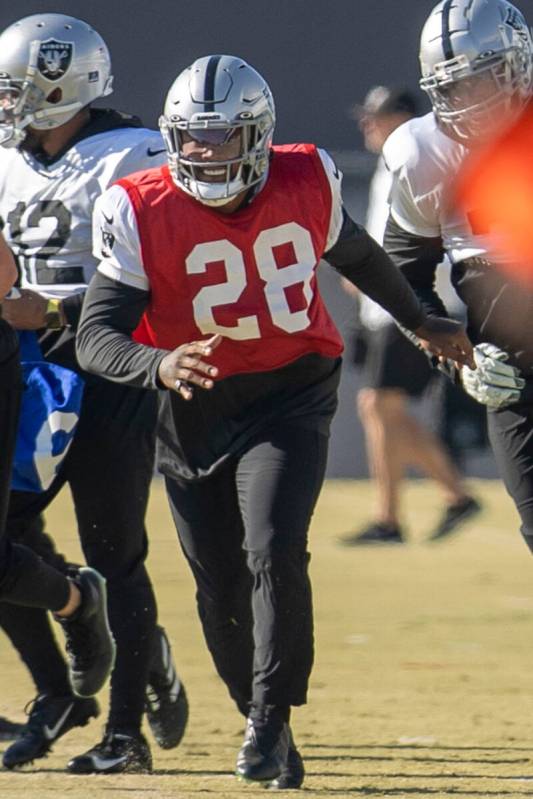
167 708
293 772
90 645
374 534
50 717
9 730
265 749
454 516
117 753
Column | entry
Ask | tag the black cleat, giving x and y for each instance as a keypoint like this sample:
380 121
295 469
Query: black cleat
264 752
50 717
454 516
90 645
293 772
9 730
116 754
167 708
375 534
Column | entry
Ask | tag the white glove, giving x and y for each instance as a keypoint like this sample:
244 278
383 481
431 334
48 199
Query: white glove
494 383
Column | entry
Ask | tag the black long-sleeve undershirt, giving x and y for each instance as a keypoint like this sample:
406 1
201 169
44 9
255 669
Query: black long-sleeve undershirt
417 258
360 259
110 314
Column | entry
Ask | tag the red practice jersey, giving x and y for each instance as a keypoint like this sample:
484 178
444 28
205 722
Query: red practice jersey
249 276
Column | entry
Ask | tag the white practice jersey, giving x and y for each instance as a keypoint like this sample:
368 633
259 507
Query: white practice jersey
46 211
424 163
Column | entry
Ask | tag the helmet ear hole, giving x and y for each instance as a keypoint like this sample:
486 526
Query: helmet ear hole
55 96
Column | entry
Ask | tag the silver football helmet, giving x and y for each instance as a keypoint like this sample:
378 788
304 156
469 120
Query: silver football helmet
51 65
476 62
215 99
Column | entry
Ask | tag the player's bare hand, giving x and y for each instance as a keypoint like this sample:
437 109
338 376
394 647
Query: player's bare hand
185 367
447 339
27 312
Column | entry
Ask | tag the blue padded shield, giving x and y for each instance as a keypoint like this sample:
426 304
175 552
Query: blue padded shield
50 411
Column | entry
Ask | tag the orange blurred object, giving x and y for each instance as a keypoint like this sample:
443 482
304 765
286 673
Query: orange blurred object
495 188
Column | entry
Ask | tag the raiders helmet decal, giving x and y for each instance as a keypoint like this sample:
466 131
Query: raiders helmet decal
54 58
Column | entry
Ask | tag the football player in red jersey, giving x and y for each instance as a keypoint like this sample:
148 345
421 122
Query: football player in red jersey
216 255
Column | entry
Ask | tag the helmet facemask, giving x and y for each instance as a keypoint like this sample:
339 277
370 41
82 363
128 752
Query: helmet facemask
225 108
237 174
21 104
471 103
485 86
20 101
17 104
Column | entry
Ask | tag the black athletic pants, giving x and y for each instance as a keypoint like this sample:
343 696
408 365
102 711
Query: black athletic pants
109 470
30 632
244 533
511 438
24 578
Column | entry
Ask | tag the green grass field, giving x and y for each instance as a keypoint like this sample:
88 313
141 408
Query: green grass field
423 680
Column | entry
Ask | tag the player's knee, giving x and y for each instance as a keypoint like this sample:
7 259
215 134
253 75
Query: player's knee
283 563
222 614
381 404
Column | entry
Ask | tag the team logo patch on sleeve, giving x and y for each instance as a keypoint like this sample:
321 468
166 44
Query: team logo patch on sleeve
54 58
108 241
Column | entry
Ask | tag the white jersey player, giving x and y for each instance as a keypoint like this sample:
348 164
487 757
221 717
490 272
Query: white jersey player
473 88
424 163
477 68
46 203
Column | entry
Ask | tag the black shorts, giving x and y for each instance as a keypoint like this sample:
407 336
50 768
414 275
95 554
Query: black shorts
392 361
